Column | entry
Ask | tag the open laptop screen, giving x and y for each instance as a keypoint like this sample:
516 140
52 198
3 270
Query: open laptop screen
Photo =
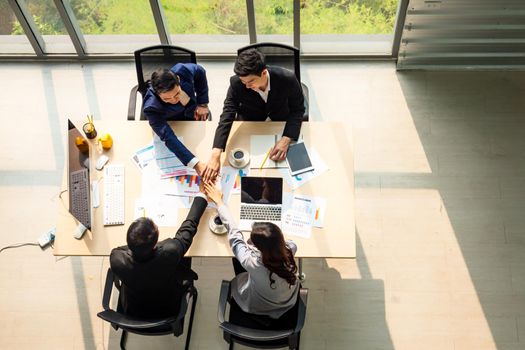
78 176
262 190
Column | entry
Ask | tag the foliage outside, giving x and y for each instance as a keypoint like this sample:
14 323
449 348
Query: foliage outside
213 16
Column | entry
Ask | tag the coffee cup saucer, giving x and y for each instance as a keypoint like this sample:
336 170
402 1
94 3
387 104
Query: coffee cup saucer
239 163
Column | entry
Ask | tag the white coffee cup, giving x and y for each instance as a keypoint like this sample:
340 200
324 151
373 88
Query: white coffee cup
238 158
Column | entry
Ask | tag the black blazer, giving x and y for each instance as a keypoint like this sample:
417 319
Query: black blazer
153 288
285 103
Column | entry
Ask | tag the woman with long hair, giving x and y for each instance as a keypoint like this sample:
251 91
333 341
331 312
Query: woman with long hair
266 273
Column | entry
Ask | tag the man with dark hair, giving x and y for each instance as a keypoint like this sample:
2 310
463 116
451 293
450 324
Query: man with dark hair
180 93
151 272
256 93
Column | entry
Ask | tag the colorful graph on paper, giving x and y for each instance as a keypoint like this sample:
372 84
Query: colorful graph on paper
187 185
169 165
231 181
235 177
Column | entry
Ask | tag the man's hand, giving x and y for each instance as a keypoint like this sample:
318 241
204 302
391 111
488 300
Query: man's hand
278 152
201 112
213 166
199 168
213 193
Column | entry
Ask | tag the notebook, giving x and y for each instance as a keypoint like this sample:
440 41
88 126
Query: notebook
259 147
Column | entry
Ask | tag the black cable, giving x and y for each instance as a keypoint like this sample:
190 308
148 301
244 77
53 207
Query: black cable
18 245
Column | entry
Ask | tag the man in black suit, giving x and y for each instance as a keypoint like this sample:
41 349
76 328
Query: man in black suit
151 272
256 93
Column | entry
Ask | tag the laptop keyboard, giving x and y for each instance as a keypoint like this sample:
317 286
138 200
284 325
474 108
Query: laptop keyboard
80 196
261 212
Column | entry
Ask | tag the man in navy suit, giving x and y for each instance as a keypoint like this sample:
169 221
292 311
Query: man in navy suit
258 93
180 93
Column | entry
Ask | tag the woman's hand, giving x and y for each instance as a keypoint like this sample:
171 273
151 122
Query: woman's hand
213 193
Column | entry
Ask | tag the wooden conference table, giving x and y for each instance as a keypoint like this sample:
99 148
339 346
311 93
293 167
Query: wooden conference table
332 140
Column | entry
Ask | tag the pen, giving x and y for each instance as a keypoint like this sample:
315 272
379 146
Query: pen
265 158
90 121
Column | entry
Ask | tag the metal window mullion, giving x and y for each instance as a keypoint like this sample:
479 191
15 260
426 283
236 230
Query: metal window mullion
158 15
400 24
29 26
297 24
252 31
73 29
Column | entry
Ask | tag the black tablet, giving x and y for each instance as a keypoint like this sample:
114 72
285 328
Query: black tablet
298 159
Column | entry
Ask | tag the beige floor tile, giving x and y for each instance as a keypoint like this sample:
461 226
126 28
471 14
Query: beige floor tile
479 329
440 181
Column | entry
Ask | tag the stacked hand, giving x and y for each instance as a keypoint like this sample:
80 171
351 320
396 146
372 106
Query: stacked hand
201 113
213 166
213 193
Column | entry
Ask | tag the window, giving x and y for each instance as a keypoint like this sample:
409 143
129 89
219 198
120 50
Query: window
350 26
48 21
207 26
115 26
274 21
12 36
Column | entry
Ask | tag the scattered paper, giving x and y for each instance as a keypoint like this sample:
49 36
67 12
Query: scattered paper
144 156
319 208
152 184
185 185
163 210
168 164
301 213
231 181
297 215
260 146
298 180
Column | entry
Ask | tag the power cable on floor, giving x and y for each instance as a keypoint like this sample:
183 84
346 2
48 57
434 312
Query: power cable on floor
18 245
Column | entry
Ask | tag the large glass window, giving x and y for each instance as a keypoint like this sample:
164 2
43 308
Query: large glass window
12 36
115 26
207 26
359 27
50 25
348 26
274 21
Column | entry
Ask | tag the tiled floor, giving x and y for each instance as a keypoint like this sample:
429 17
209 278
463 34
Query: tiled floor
440 188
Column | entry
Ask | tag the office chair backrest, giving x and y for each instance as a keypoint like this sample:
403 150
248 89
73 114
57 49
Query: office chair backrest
262 337
149 59
278 55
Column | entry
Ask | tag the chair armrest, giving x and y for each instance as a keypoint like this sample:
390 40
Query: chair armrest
301 312
224 296
306 115
124 321
184 303
132 103
108 287
255 334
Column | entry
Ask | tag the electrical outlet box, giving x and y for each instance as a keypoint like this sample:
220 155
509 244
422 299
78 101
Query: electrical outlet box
47 238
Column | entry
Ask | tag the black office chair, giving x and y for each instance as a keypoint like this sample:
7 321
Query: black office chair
162 326
263 332
149 59
286 57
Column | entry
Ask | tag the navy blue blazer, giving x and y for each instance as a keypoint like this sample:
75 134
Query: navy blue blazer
285 103
194 83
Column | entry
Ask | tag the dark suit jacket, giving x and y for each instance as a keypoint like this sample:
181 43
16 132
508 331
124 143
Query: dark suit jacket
153 288
285 103
194 83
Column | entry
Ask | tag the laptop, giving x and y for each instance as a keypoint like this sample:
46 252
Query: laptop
78 176
261 200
